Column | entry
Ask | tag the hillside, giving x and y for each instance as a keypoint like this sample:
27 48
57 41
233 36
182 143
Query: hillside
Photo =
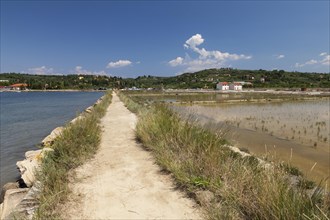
60 81
256 78
203 79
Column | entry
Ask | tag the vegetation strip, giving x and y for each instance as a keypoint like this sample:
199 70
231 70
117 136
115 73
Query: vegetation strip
205 79
78 142
237 187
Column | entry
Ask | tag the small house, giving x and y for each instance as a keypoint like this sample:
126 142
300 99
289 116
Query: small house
236 86
223 86
18 86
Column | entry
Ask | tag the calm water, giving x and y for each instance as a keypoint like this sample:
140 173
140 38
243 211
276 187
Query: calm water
27 117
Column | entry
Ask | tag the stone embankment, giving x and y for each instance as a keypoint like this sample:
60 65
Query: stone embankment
19 199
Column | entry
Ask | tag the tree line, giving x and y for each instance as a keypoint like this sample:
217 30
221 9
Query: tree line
202 79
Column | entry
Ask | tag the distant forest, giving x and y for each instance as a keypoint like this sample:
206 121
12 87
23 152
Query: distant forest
205 79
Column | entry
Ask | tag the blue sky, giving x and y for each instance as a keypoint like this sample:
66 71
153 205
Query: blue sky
164 38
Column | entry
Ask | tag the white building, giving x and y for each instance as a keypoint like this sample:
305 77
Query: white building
235 86
222 86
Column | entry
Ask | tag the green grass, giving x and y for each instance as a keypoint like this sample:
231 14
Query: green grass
78 142
200 160
133 106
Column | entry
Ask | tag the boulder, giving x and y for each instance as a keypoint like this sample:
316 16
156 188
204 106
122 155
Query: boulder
28 205
89 109
32 153
27 169
76 119
6 187
48 141
30 165
237 150
98 101
12 198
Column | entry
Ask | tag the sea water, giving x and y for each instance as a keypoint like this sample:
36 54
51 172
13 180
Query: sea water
27 117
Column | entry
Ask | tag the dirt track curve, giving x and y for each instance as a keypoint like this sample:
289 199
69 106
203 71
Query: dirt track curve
123 181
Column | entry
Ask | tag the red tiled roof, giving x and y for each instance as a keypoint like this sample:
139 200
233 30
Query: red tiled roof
19 85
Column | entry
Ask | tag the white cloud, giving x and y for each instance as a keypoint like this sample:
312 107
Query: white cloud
119 63
80 71
281 56
297 65
326 60
311 62
43 70
197 40
194 41
206 59
177 61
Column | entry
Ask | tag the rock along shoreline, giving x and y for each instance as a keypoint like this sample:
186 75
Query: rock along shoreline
20 198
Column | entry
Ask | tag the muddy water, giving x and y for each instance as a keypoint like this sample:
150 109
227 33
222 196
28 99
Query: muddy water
295 132
313 162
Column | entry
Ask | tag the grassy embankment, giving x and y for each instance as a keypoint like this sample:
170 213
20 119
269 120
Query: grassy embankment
78 142
242 188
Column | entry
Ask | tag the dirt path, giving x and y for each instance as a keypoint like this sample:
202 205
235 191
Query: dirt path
122 181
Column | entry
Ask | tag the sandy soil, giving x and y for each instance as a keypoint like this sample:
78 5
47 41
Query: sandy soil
123 181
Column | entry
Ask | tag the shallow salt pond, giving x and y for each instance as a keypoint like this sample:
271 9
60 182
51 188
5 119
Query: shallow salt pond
296 132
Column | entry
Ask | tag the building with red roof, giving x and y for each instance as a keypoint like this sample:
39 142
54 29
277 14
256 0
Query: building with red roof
223 86
18 86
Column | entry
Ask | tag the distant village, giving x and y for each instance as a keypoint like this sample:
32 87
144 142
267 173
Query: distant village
222 86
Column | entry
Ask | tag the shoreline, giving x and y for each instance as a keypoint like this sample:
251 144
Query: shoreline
53 90
252 90
32 116
279 91
20 195
241 101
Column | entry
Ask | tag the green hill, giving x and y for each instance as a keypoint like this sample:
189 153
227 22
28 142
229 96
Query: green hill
202 79
255 78
60 81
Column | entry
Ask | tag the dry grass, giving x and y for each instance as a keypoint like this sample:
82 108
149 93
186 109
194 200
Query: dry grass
78 142
243 189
